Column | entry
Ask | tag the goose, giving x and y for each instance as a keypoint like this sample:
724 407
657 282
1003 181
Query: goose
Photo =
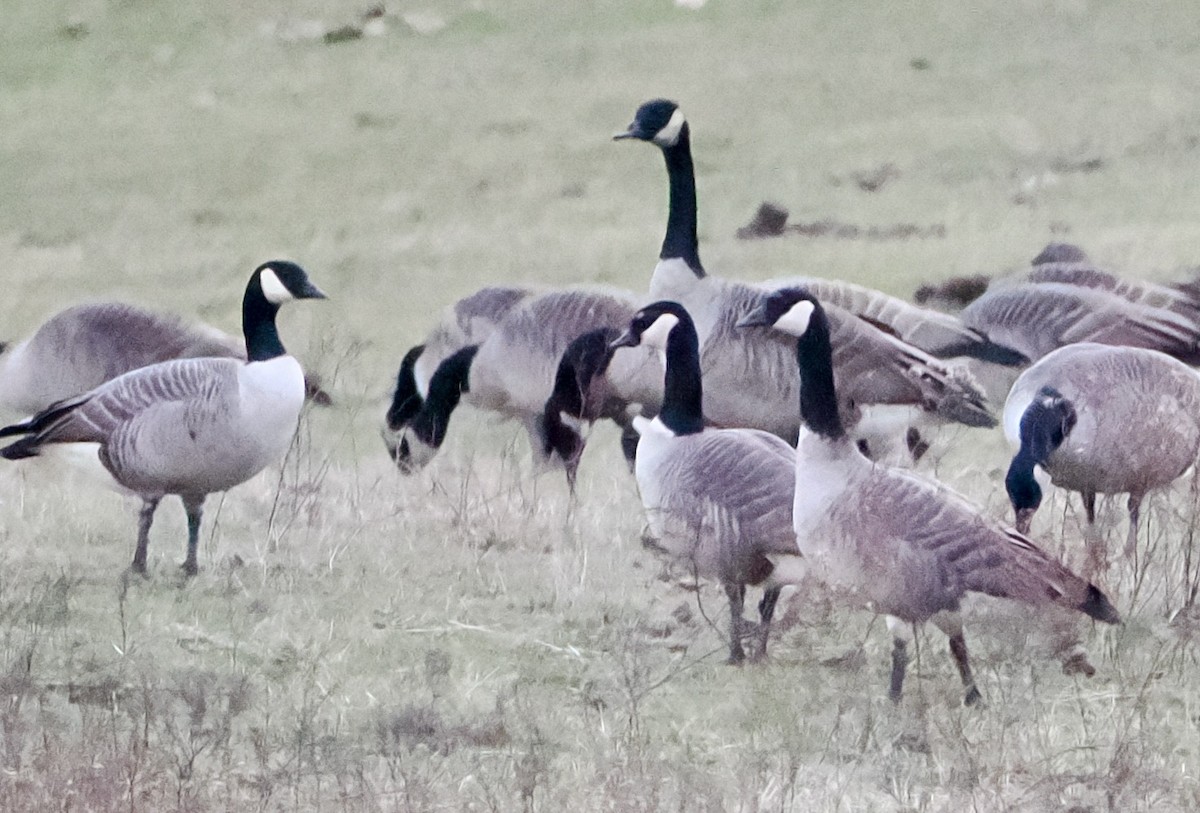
752 380
717 500
513 371
1101 420
910 546
81 347
468 321
190 426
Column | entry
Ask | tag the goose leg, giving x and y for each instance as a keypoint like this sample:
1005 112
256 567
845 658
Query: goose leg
629 442
766 611
1097 556
145 517
194 508
1135 510
899 657
951 624
737 602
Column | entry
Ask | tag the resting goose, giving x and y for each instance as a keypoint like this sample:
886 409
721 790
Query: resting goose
81 347
1101 420
467 322
752 380
513 370
717 500
908 545
193 426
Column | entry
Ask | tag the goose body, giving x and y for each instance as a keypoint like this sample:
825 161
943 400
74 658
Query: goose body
193 426
467 322
512 372
909 546
752 379
717 500
1101 420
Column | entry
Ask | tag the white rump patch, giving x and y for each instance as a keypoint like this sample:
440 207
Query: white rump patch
274 290
796 320
656 335
669 134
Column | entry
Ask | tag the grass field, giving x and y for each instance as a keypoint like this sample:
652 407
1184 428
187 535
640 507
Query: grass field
465 639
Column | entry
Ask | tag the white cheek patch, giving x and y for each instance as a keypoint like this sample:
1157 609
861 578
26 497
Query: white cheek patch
274 290
796 320
668 135
656 335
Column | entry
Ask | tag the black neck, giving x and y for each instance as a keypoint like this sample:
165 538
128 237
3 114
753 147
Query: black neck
818 395
681 241
446 387
258 324
1022 487
1044 426
682 406
406 400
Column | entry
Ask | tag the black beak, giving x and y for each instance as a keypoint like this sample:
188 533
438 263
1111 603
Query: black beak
755 318
626 339
310 291
632 132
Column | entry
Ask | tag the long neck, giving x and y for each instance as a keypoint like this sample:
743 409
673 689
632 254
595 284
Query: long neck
1044 426
682 407
449 382
818 395
681 240
258 325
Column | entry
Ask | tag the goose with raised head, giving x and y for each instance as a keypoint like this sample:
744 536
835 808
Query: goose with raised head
717 500
189 427
909 546
752 379
1101 420
513 371
467 322
81 347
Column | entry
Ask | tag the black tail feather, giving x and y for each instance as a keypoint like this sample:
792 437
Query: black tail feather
1099 607
22 449
406 401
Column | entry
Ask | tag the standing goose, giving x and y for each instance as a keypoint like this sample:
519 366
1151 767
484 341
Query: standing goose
908 545
81 347
1101 420
194 426
513 370
717 500
752 380
467 322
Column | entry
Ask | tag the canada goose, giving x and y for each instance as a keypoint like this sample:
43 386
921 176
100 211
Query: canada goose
1101 420
83 346
909 545
752 380
192 426
513 370
468 321
716 499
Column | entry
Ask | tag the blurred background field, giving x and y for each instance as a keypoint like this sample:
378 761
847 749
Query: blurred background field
465 639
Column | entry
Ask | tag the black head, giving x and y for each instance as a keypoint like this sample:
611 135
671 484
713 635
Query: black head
652 324
1060 253
659 121
282 281
787 309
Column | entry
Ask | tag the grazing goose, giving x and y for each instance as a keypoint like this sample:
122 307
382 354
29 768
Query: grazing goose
513 370
752 380
192 426
908 545
468 321
83 346
717 500
1101 420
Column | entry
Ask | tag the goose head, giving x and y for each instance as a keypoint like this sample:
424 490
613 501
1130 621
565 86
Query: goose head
652 326
1047 421
282 281
659 121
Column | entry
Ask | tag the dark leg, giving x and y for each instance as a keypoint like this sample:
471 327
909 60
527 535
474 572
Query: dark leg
737 602
145 517
1089 506
951 624
899 666
1135 511
194 506
629 442
1097 556
766 611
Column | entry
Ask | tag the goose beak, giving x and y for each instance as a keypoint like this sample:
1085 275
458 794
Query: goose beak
1024 520
755 318
632 132
626 339
310 291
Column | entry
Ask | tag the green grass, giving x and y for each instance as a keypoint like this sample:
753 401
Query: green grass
462 639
